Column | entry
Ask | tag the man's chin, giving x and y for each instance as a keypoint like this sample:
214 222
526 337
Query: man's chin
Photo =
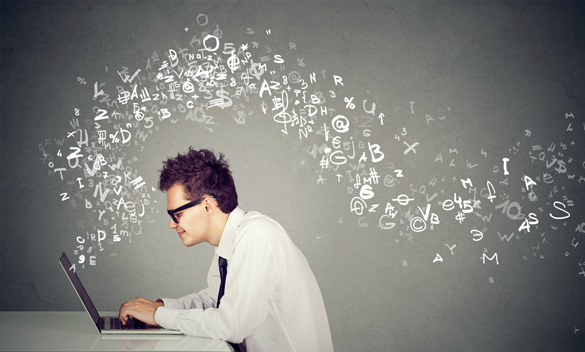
187 243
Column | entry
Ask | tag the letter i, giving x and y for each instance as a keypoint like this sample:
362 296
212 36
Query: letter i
505 160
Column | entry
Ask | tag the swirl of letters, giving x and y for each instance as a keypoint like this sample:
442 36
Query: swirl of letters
343 139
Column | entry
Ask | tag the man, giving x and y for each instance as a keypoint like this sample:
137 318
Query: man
268 300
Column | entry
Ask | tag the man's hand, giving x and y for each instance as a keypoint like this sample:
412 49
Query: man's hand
140 308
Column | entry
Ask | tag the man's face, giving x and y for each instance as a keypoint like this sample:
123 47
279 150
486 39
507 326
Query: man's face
193 226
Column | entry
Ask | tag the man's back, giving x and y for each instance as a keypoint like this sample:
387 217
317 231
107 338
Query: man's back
295 317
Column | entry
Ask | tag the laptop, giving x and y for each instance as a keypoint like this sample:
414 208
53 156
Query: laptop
109 324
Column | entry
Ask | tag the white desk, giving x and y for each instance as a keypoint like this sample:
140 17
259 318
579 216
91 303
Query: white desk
73 331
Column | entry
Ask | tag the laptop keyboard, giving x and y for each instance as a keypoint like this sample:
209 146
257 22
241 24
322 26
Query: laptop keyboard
131 324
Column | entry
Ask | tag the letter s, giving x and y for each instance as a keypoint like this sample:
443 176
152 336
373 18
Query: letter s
556 204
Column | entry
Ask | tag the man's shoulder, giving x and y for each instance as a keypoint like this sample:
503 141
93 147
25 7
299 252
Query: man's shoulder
256 222
252 218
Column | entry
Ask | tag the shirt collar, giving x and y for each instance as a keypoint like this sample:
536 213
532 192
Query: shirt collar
226 242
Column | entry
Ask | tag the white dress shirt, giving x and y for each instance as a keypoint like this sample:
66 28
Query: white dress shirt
272 301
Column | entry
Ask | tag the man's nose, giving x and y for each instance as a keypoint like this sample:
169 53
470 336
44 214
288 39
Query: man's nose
172 224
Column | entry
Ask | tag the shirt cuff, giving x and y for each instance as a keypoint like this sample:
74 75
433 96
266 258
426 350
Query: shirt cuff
166 317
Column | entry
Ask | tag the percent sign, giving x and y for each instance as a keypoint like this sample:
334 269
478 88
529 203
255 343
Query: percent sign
349 103
81 80
114 137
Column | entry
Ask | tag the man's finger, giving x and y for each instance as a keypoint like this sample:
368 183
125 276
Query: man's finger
124 313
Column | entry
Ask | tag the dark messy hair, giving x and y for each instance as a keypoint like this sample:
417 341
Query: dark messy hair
201 173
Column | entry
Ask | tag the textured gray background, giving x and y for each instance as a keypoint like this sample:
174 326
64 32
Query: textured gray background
493 69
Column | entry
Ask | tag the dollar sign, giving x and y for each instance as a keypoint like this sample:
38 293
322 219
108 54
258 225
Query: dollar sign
241 119
562 167
226 101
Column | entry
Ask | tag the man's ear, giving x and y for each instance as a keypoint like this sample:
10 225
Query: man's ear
209 205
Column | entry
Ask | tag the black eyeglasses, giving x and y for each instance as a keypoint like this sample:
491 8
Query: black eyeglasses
183 207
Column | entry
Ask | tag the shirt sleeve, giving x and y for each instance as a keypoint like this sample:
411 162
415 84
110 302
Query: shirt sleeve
252 276
201 300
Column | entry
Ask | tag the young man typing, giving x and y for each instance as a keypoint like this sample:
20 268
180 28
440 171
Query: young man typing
262 294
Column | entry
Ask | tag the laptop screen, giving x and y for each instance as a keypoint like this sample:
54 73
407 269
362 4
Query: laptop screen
66 264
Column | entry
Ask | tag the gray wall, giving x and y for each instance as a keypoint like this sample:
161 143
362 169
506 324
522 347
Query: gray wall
458 87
